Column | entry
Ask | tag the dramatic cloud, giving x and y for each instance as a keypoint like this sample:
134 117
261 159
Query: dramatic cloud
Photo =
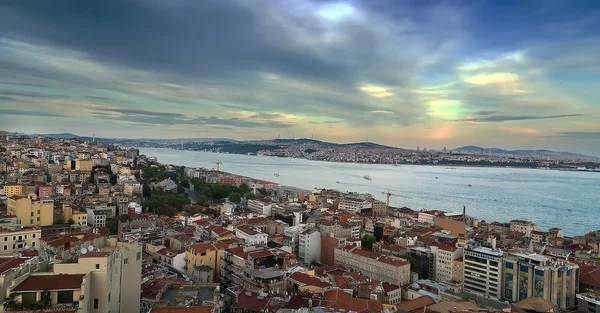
399 73
28 113
581 135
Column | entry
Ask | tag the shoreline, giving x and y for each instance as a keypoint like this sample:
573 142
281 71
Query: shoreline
333 187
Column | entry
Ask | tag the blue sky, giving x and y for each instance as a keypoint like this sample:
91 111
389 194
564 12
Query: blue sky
510 74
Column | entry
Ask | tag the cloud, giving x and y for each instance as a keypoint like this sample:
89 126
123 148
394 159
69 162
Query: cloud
97 98
377 91
6 82
580 135
28 94
494 78
506 118
125 111
485 112
28 113
381 111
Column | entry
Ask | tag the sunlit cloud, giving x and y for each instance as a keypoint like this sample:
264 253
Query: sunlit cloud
517 130
493 78
336 11
377 91
381 111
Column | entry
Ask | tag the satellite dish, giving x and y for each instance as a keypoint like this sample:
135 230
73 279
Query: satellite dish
83 251
90 248
27 247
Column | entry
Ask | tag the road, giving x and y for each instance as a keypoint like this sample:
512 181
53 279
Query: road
192 194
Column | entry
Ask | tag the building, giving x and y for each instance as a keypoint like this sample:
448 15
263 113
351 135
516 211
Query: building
132 188
355 205
340 229
57 290
114 276
309 246
45 191
328 245
173 258
251 235
30 211
260 207
79 217
445 263
379 208
533 275
589 303
141 228
12 268
483 270
15 238
11 190
388 269
202 255
428 216
525 227
97 217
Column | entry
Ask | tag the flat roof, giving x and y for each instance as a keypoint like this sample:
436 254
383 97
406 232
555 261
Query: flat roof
487 251
443 235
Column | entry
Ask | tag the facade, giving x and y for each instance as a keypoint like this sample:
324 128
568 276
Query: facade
132 188
97 217
444 263
589 303
260 207
30 211
251 235
483 270
309 246
11 190
174 258
388 269
340 229
355 205
16 238
59 290
525 227
80 218
205 255
533 275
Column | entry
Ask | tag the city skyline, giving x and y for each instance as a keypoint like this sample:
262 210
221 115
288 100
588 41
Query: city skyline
514 75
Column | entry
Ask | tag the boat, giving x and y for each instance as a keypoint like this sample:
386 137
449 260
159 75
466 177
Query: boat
367 177
276 174
337 182
470 185
570 210
436 177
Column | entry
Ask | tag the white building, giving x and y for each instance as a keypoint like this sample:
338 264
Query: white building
293 233
309 247
483 270
355 205
260 207
97 217
444 262
251 235
174 258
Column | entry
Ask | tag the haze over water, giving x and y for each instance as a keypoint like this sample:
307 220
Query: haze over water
497 194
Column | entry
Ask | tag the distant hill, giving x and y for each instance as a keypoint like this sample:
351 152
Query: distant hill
543 153
69 135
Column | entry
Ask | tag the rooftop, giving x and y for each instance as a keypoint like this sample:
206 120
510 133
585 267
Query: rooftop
50 282
180 309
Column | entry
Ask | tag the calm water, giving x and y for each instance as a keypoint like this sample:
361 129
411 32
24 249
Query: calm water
497 194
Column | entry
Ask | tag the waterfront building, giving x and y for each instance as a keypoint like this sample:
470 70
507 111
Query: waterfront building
384 268
309 247
525 227
355 205
445 262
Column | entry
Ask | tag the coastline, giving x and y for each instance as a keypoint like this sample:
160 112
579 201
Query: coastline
282 184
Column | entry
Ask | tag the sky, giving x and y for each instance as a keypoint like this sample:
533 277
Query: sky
434 74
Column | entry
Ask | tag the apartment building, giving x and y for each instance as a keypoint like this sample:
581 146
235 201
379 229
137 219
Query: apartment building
445 262
355 205
265 225
534 275
79 217
11 190
132 188
309 247
202 255
15 238
260 206
14 268
588 303
114 276
30 211
97 217
340 229
388 269
483 269
428 216
251 235
522 226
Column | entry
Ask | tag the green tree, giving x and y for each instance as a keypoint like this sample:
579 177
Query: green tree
71 221
207 192
263 191
235 197
367 241
185 183
244 188
180 189
147 191
59 220
202 200
414 264
250 196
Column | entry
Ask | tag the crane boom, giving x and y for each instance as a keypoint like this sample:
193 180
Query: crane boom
387 204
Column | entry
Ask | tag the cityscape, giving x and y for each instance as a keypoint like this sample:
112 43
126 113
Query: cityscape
299 156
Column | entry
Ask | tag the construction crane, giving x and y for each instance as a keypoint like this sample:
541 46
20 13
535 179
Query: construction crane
218 163
387 203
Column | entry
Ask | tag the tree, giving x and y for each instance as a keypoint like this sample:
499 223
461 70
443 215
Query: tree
59 220
147 191
250 196
180 189
235 197
368 240
185 183
414 264
202 200
244 188
263 191
71 221
207 192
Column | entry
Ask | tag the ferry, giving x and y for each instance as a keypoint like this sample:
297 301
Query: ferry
367 177
276 174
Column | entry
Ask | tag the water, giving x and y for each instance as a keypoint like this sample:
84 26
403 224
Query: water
497 194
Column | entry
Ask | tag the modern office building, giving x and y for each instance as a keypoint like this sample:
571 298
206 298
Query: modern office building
483 269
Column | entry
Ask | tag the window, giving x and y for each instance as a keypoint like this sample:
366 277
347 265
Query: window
126 261
38 212
5 247
31 213
109 297
31 221
25 236
95 303
5 238
138 256
65 297
33 244
33 235
97 266
38 218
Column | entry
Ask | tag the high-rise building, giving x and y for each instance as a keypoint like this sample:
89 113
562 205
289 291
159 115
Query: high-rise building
483 269
535 275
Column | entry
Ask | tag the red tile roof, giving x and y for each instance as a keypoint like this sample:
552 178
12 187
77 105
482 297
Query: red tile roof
97 254
589 275
416 304
251 301
7 263
169 252
337 299
51 282
180 309
308 280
